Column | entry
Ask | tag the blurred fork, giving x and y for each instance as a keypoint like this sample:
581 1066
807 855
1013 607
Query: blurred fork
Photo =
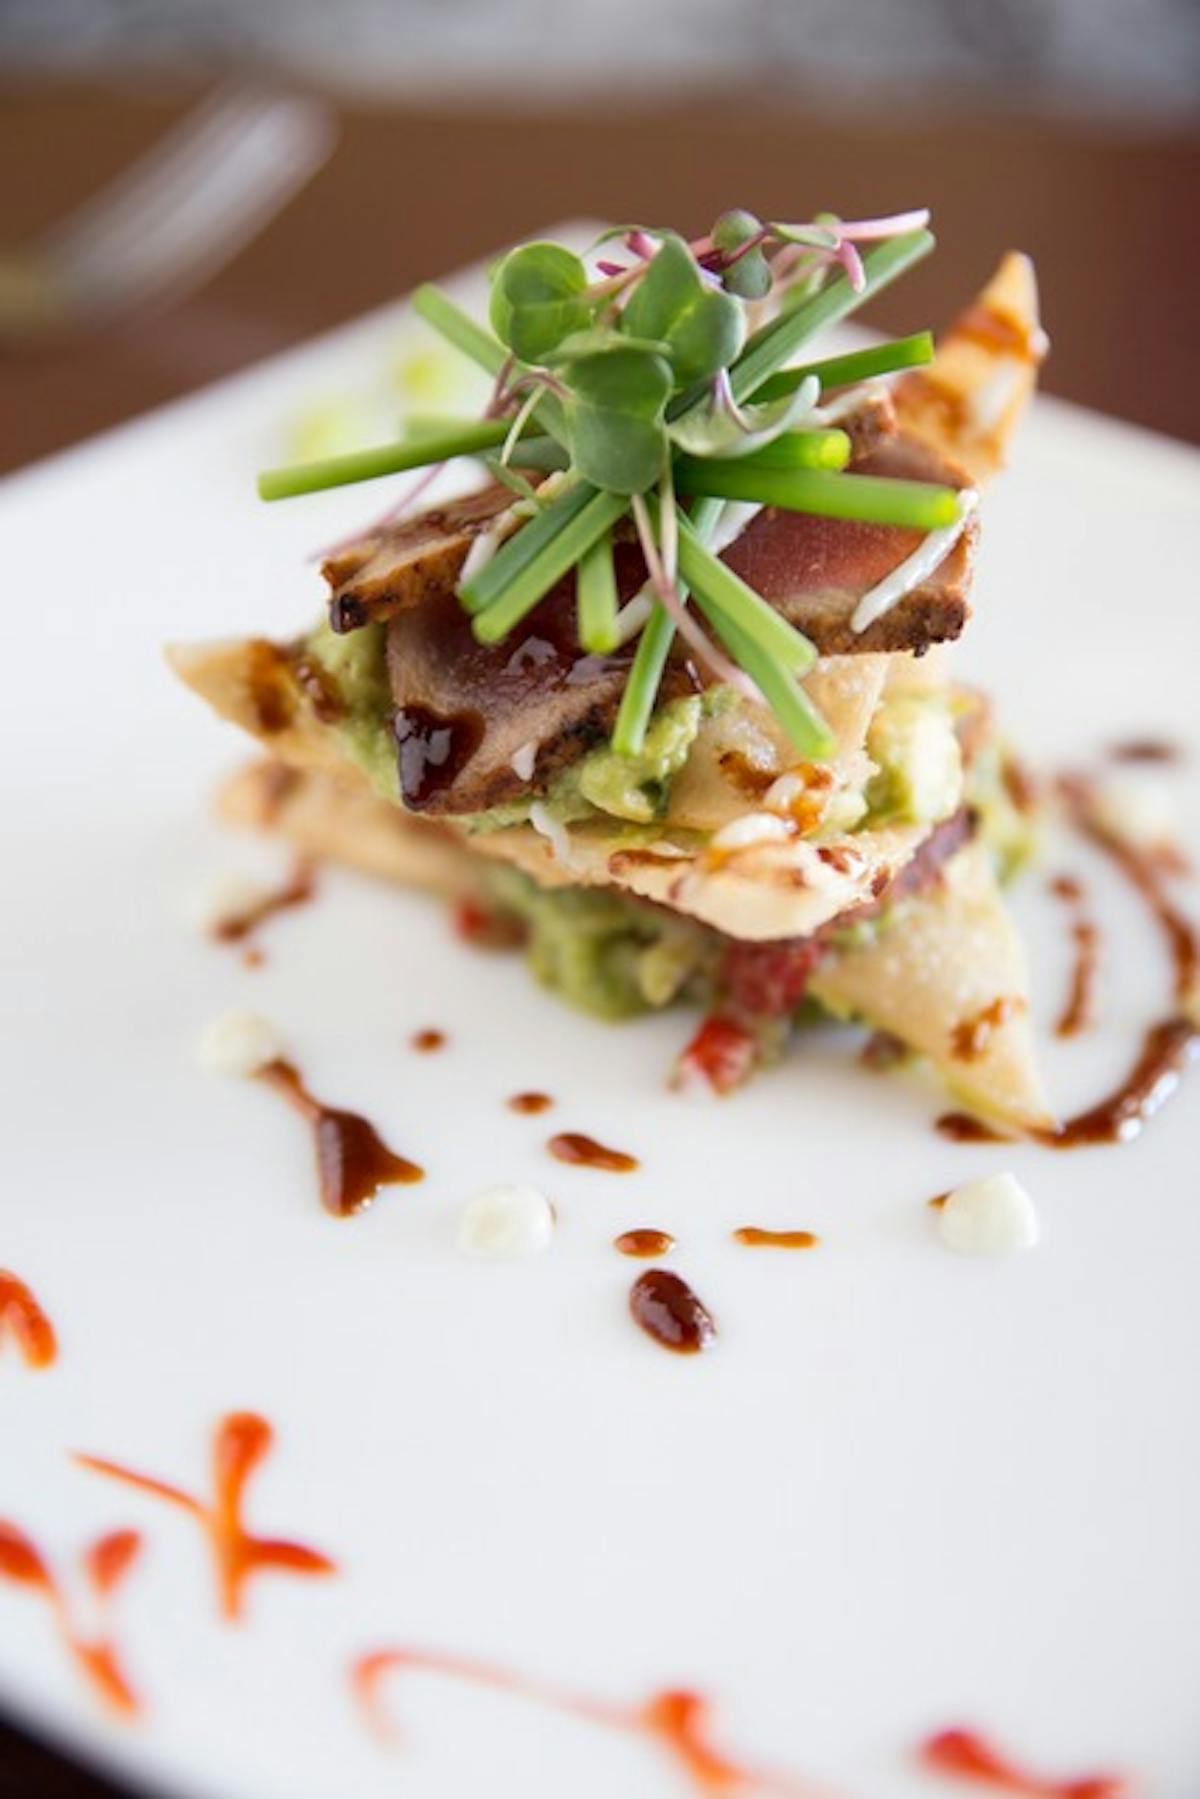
174 218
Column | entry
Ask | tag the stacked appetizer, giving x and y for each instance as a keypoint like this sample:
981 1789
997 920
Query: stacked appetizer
661 692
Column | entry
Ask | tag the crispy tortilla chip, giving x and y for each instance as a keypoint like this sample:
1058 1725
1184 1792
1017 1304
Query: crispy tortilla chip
967 402
948 976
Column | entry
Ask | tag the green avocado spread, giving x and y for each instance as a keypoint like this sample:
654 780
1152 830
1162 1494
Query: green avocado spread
356 664
608 954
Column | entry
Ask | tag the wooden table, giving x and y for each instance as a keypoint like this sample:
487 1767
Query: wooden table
409 193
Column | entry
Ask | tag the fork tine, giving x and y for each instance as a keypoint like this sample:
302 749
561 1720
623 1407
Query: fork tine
201 204
151 181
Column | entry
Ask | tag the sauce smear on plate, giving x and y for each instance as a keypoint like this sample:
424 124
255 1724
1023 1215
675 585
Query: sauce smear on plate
970 1756
353 1161
21 1314
584 1152
644 1242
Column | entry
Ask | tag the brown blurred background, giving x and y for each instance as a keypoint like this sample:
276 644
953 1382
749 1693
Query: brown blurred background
1068 128
1104 198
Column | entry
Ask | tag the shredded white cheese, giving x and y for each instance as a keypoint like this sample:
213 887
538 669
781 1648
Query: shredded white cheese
503 1222
916 568
990 1217
751 828
737 515
238 1044
484 546
524 758
553 830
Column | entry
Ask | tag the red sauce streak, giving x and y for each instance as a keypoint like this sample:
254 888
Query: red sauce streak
960 1127
21 1314
723 1053
1146 749
426 1043
644 1243
530 1102
668 1310
240 1445
106 1562
971 1036
1079 1011
353 1161
585 1152
297 890
756 1238
675 1720
972 1757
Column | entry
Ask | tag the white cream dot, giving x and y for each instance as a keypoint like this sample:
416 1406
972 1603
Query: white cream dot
1135 809
989 1217
220 897
238 1044
504 1222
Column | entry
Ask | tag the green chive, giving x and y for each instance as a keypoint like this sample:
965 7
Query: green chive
519 594
459 329
519 550
876 499
650 658
776 343
790 450
725 594
466 439
596 598
858 365
786 698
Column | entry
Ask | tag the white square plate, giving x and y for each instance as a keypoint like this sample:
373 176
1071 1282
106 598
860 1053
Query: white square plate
905 1490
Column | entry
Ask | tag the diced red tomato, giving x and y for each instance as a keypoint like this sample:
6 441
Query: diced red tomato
769 978
487 929
723 1053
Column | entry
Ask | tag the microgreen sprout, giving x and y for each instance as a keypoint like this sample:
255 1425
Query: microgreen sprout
648 368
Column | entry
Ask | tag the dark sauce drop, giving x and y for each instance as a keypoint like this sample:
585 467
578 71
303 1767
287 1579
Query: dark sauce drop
1146 749
668 1310
644 1243
584 1152
530 1102
427 1043
756 1238
960 1127
353 1161
432 750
